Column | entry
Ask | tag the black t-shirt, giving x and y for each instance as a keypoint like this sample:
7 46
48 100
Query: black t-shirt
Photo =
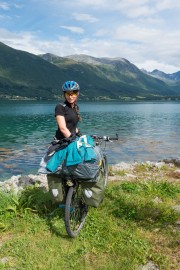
70 115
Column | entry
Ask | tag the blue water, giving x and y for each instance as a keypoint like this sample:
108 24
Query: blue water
147 131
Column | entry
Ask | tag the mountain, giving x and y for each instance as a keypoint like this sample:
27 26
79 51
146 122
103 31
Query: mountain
164 76
124 78
26 75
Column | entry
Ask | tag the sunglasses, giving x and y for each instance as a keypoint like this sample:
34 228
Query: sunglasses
72 93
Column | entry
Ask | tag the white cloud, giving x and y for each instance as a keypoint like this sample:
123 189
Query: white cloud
167 4
97 3
134 9
135 33
24 41
101 32
4 17
85 17
74 29
4 6
151 64
18 6
130 8
139 11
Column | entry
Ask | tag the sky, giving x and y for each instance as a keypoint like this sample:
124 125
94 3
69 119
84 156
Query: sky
145 32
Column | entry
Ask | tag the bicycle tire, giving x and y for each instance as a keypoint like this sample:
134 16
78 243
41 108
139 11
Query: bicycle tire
75 211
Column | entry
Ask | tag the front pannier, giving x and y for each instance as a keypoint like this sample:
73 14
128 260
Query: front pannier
56 188
87 170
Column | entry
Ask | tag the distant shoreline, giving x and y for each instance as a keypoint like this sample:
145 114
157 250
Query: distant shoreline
96 99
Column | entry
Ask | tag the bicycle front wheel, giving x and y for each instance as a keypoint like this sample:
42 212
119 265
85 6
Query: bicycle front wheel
75 211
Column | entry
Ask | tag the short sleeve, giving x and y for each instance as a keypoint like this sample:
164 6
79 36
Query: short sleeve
59 110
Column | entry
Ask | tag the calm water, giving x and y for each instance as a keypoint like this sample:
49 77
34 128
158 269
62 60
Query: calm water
147 131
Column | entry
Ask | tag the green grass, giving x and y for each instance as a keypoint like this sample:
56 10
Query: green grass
129 229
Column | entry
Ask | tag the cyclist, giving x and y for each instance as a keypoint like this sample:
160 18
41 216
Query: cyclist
67 117
67 114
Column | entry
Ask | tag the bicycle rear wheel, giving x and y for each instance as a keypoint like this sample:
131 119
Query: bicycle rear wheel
75 211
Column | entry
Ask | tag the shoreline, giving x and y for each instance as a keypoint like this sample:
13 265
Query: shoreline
129 172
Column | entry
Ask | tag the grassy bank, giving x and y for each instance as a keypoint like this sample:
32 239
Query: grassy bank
137 223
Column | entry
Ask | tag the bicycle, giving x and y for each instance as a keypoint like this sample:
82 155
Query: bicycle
75 208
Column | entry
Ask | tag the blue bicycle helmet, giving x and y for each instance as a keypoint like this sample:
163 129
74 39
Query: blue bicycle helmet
70 86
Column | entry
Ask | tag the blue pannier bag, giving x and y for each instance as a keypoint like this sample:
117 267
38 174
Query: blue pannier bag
86 170
80 160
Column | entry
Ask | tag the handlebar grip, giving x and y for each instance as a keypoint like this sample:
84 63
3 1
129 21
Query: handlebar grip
113 139
105 138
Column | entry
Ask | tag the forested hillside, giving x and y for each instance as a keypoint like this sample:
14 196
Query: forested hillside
24 75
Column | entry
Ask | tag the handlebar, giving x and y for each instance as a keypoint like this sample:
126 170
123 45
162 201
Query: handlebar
105 138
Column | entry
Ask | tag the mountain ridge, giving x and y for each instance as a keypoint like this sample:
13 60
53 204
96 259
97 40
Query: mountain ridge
40 77
167 76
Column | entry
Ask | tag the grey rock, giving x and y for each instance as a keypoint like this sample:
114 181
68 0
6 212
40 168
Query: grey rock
176 208
123 166
176 173
4 260
150 266
19 182
25 181
175 161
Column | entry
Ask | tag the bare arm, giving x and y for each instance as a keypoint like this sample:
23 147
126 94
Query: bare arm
62 126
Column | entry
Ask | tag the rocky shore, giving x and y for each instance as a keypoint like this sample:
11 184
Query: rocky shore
129 172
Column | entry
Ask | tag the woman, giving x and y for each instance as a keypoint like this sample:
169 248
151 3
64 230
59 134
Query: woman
67 117
67 114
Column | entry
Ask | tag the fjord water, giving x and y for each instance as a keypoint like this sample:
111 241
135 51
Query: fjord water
147 131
